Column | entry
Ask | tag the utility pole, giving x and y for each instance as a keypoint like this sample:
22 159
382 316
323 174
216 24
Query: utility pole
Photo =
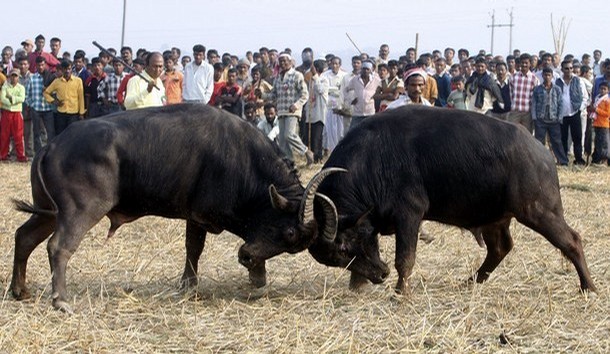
494 25
123 28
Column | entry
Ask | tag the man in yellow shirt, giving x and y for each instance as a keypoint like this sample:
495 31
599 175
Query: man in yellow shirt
12 96
141 92
67 93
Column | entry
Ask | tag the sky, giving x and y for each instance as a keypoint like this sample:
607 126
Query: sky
236 26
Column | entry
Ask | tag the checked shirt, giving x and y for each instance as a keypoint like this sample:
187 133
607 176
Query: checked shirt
522 88
33 93
109 87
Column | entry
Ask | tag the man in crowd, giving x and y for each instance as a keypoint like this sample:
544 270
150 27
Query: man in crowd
364 88
522 88
66 92
93 104
547 108
198 84
290 94
481 89
41 112
107 89
503 82
148 90
55 45
572 103
52 61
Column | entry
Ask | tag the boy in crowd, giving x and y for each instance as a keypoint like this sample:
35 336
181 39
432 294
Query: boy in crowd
601 125
172 80
108 88
457 98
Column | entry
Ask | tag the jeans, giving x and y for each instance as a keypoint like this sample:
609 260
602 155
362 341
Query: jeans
573 123
316 139
63 120
43 127
554 130
288 138
600 154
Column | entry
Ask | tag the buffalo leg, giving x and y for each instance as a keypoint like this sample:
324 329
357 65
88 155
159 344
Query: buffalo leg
357 281
499 243
258 275
195 241
27 238
71 228
406 246
553 227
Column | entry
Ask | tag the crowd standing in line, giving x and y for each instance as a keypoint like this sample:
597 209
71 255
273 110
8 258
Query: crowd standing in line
307 108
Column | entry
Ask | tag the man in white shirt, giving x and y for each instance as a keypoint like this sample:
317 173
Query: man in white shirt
198 83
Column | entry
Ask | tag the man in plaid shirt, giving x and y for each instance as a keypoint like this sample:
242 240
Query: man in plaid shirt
41 111
522 88
108 88
290 94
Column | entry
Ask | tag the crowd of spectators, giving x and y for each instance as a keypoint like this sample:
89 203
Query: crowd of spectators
307 109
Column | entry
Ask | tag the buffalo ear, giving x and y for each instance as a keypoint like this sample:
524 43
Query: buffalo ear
277 200
349 221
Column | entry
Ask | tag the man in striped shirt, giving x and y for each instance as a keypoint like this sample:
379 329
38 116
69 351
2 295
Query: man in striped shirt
522 87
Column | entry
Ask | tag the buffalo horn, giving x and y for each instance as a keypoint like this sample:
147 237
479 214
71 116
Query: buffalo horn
277 200
330 217
306 209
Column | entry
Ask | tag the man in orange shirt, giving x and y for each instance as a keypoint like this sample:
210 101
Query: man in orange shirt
172 80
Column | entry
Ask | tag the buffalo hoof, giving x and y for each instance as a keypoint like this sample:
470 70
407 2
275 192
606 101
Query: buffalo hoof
21 294
258 279
63 306
189 282
357 282
402 288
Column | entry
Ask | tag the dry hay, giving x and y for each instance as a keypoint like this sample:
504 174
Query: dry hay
125 292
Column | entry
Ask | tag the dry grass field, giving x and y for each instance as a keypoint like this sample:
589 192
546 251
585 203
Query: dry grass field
125 292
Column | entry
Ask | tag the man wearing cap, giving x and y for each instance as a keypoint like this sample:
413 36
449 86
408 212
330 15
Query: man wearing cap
415 81
67 93
28 46
52 62
12 95
290 94
363 88
198 83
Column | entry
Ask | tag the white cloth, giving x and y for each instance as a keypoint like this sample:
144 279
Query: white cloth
404 100
198 83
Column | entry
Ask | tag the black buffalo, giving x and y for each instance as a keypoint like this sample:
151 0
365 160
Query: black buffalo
454 167
189 162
